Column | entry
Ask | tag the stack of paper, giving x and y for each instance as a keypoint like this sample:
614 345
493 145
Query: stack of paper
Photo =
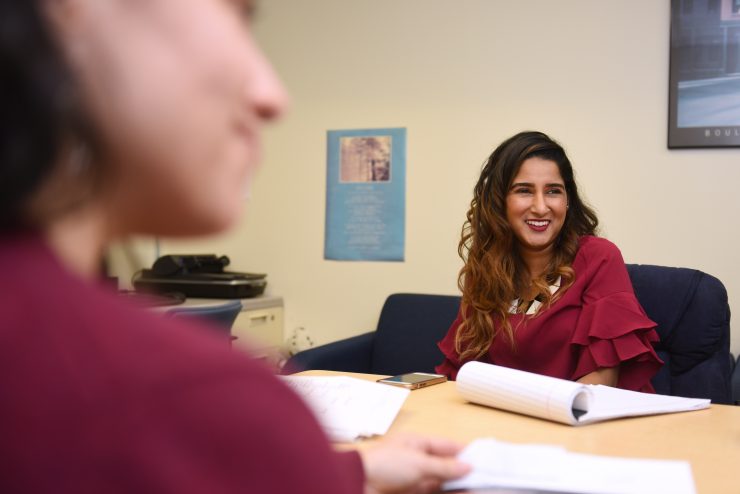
349 408
500 465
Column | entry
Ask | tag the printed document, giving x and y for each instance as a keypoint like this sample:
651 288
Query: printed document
349 408
545 468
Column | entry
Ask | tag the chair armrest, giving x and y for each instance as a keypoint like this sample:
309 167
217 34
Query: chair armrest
349 355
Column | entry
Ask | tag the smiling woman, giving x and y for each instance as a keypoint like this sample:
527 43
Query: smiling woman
540 291
535 210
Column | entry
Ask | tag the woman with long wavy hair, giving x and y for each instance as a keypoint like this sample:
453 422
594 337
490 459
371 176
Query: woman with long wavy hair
540 291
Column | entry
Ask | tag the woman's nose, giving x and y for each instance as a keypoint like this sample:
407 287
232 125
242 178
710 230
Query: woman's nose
539 204
265 90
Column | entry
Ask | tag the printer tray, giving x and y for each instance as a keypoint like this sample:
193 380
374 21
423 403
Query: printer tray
203 286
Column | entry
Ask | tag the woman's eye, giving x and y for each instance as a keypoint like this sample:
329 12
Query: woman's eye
522 190
554 191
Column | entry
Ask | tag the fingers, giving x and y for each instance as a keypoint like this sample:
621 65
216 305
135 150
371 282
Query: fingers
411 464
431 445
443 468
442 447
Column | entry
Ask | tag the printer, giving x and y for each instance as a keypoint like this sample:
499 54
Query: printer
198 276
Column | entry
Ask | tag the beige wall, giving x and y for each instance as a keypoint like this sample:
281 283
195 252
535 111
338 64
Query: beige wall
461 76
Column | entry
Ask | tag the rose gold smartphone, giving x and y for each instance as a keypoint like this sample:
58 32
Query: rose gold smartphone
414 380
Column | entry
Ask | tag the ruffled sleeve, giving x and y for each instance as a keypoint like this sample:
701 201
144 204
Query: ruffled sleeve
612 329
451 363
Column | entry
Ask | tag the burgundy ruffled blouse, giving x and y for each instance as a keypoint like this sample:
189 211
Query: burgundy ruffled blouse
597 323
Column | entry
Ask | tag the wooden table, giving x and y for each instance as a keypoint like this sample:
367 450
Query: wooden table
709 439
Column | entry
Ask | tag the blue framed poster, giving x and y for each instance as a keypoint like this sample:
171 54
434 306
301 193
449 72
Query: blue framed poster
365 195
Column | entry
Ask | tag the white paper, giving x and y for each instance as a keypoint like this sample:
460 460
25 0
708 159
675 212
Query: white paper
612 402
349 408
561 400
498 464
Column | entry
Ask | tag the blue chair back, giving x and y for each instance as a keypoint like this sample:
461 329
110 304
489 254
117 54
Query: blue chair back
693 317
408 330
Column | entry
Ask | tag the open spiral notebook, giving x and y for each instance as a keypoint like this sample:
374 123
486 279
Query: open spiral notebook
560 400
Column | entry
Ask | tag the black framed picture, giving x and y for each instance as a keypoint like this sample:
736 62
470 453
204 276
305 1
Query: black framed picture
704 93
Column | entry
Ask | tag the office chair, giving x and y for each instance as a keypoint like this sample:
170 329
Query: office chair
693 317
689 306
736 382
405 340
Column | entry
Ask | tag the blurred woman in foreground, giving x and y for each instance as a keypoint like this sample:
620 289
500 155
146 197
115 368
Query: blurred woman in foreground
123 117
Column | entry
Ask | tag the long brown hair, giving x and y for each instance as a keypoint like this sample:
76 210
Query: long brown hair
493 273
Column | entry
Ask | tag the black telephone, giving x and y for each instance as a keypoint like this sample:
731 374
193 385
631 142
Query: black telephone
179 265
201 275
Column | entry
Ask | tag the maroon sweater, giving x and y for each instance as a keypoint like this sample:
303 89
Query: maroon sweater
98 397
